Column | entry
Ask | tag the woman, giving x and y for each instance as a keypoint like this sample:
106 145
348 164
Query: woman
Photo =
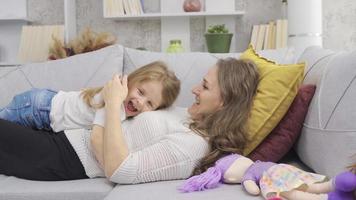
219 114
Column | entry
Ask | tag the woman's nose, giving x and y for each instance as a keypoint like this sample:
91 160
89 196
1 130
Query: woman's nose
195 90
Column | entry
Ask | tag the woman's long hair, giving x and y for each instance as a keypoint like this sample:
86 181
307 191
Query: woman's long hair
155 71
226 129
352 167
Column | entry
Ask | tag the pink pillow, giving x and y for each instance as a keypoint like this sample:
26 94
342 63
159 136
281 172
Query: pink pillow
283 136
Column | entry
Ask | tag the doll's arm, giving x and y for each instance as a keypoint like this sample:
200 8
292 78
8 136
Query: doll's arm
240 171
251 187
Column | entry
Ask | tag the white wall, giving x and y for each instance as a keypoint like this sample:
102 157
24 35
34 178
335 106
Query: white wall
339 24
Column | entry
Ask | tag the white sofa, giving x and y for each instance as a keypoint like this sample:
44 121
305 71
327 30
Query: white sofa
327 142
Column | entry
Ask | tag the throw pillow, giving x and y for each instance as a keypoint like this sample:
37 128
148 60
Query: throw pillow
276 90
281 139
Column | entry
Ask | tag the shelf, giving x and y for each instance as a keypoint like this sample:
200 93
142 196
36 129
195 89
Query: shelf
175 23
2 64
14 19
184 14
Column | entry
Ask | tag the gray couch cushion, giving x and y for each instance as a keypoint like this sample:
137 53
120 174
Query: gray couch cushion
72 73
328 138
89 189
167 190
12 82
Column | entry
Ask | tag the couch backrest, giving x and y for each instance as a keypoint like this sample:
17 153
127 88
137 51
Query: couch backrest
328 140
334 75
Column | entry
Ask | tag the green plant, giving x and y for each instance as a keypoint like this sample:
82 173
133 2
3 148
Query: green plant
219 28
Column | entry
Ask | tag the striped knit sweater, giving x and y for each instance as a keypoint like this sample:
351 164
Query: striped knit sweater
160 144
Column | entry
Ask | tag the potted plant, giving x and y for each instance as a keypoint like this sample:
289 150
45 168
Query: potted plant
218 39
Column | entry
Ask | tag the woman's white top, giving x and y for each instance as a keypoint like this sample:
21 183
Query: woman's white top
161 147
69 111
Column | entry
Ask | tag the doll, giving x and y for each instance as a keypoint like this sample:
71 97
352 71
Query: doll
274 181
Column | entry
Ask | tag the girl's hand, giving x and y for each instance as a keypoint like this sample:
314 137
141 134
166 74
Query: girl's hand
115 91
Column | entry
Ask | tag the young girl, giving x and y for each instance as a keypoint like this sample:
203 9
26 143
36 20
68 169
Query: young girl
150 87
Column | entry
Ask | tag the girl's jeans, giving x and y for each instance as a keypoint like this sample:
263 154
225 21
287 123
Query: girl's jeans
30 109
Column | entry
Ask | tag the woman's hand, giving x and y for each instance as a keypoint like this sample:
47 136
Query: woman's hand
115 91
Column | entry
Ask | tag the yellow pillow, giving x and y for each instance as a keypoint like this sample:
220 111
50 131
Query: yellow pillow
276 90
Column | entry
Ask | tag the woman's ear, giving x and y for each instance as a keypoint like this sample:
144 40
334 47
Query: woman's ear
221 104
237 169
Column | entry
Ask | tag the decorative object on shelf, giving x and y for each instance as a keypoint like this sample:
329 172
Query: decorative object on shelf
218 39
192 5
86 42
175 46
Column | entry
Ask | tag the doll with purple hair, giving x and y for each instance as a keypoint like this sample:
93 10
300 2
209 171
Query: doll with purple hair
274 181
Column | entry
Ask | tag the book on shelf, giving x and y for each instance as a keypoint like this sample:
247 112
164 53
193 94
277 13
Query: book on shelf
117 8
278 33
135 6
281 33
266 38
36 40
113 8
284 38
260 37
254 35
270 36
127 7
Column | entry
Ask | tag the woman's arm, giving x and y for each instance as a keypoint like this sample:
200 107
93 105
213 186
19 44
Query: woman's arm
173 157
97 140
115 149
163 149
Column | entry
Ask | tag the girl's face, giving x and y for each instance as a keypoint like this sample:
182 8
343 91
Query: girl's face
141 97
207 96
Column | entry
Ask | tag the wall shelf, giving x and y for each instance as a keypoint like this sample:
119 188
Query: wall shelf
175 23
148 16
14 19
9 64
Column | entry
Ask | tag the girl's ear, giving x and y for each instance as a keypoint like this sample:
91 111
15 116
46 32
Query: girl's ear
237 169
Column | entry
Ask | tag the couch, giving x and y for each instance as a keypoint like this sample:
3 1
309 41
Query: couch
326 144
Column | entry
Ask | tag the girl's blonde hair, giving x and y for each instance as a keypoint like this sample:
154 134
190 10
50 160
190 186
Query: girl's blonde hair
155 71
226 128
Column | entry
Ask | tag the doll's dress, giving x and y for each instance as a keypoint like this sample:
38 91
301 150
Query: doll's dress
282 178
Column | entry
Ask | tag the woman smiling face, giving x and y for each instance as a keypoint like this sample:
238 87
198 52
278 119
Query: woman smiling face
207 96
